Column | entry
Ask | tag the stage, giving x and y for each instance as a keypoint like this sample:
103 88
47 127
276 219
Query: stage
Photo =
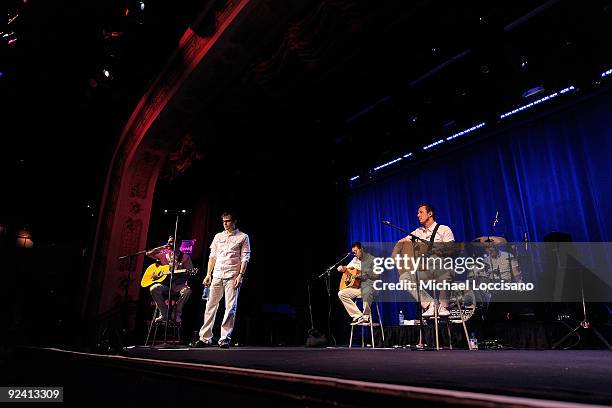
312 377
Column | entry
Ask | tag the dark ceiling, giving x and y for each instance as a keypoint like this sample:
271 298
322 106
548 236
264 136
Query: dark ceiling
375 79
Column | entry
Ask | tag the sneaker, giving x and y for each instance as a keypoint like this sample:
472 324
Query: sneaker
200 344
224 344
443 311
160 319
365 320
430 311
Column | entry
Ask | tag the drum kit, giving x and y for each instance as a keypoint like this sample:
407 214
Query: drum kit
477 302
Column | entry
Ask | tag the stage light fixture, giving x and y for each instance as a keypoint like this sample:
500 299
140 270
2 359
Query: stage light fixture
533 91
141 5
524 64
354 178
606 73
382 166
10 38
536 102
466 131
434 144
24 238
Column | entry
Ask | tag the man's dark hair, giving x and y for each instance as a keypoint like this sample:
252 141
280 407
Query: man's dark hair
428 208
356 244
229 214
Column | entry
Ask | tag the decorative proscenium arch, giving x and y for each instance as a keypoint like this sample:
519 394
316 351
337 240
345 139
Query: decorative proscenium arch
141 152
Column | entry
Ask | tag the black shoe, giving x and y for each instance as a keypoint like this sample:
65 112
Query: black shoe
224 344
200 344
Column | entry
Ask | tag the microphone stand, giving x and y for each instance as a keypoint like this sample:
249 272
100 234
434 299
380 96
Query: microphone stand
126 288
327 274
172 268
418 280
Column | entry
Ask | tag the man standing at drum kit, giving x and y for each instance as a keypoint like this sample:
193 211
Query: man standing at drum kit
501 265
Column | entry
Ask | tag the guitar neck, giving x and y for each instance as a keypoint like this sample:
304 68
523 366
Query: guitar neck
177 271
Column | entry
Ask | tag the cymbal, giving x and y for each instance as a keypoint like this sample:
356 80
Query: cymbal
491 240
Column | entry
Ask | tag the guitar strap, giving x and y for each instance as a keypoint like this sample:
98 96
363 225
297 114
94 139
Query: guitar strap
432 238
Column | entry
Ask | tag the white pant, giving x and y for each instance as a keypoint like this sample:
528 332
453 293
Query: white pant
426 298
347 295
219 288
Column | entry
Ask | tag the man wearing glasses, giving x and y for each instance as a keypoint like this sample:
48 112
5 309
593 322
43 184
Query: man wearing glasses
230 252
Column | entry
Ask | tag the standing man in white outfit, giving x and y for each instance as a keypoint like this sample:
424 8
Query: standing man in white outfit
230 252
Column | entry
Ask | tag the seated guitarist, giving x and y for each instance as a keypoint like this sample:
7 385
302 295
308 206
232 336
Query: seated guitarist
159 291
362 265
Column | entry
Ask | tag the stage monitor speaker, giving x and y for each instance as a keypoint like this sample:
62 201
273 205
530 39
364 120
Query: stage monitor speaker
316 339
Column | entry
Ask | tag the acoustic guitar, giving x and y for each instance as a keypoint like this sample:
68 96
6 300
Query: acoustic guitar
157 273
351 278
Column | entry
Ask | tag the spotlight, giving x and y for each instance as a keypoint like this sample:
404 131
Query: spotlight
382 166
24 238
533 91
524 63
536 102
10 38
141 5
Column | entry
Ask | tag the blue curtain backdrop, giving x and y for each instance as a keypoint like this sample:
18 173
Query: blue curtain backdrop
552 174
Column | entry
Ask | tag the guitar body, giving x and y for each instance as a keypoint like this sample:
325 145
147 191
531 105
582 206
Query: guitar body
350 279
157 273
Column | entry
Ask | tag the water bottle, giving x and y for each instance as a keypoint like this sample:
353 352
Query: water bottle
401 318
473 341
205 292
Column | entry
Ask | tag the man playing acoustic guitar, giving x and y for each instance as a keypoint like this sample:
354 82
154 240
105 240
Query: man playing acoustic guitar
159 291
357 279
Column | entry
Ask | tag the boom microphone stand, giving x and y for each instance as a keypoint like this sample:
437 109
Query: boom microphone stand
172 268
414 239
327 275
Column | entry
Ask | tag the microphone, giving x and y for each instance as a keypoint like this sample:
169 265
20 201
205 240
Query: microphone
386 222
496 218
168 211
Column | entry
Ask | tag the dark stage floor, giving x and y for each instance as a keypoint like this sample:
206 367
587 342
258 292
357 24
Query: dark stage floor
566 375
569 376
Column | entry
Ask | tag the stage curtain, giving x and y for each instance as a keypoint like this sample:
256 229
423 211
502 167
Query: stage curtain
553 173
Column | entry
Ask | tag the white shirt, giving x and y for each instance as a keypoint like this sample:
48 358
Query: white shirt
501 265
355 263
229 249
444 233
